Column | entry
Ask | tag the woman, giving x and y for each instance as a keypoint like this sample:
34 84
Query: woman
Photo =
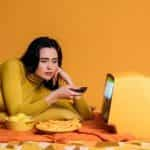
31 85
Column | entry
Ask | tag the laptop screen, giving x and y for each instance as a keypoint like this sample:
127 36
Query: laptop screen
108 92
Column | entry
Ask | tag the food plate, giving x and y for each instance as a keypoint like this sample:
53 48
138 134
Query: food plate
58 125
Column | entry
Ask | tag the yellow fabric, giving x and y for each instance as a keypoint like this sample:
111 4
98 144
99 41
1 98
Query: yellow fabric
18 93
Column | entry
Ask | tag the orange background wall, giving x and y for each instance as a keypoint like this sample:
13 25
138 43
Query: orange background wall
97 36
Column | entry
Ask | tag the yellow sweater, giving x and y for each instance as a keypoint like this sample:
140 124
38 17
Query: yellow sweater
19 93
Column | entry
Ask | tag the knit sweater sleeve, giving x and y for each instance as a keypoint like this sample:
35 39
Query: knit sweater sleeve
11 79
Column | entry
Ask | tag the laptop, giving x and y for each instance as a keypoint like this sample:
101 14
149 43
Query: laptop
107 98
126 104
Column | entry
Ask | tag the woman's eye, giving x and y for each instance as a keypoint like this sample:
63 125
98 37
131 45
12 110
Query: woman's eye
43 61
54 61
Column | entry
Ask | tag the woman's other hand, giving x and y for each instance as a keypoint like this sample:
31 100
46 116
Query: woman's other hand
63 75
62 92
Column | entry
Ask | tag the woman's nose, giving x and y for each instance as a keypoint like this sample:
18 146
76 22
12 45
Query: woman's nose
50 66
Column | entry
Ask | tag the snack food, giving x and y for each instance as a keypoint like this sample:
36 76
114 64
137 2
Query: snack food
19 122
58 125
20 117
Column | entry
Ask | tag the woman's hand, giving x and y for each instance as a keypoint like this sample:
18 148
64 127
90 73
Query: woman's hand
62 92
63 75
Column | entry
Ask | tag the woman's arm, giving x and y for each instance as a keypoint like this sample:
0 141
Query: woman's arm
11 78
11 86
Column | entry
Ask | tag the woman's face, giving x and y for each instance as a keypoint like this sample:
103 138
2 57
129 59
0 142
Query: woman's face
48 63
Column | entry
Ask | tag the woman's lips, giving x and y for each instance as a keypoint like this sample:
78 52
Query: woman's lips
49 73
